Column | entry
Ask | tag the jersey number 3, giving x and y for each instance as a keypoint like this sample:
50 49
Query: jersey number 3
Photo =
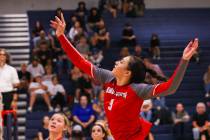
110 104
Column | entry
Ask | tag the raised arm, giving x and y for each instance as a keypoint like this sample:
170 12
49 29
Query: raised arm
76 58
146 91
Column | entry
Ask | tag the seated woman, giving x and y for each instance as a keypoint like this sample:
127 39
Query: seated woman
180 117
57 93
43 132
38 87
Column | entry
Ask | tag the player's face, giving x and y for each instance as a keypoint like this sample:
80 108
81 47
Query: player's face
97 133
121 67
56 124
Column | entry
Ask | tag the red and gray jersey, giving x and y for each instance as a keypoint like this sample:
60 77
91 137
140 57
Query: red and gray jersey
122 104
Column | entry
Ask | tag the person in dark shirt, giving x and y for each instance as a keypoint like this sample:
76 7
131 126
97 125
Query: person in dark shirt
81 12
154 46
102 35
38 27
43 132
93 19
128 37
25 78
200 121
44 53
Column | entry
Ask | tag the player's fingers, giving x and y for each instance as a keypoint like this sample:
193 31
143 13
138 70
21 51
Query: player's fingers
58 20
62 18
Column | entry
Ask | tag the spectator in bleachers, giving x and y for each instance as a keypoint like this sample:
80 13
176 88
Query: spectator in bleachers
96 57
48 74
200 121
102 35
206 79
139 52
128 38
38 87
131 12
75 74
113 6
207 134
81 13
155 46
25 78
146 113
94 44
139 7
159 102
124 52
35 67
83 46
58 125
162 116
93 20
146 110
44 53
37 28
57 93
85 85
180 117
75 30
70 23
83 114
98 132
98 106
77 133
41 38
43 132
125 6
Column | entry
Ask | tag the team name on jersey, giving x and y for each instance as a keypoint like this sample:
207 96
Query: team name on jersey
118 94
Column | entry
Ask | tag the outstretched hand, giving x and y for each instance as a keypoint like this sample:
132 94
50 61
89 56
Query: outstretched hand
190 50
59 25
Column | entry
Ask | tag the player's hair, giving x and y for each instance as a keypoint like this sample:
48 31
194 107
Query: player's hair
139 70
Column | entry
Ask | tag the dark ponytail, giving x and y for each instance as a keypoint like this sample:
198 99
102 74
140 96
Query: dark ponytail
154 74
139 70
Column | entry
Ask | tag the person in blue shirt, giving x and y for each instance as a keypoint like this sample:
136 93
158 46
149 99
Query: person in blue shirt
83 114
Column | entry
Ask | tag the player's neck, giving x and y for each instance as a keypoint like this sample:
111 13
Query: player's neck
122 81
55 136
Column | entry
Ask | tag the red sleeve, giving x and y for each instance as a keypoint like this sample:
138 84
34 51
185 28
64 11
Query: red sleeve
173 83
76 58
